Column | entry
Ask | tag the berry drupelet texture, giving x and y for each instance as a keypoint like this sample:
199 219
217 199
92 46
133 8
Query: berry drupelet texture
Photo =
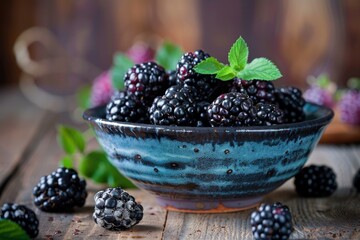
172 78
271 222
232 109
21 215
315 181
115 209
126 109
62 190
269 114
290 100
146 81
257 90
202 116
187 62
176 107
205 85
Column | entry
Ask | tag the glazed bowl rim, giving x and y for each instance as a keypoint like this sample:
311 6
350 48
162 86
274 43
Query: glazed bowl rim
319 121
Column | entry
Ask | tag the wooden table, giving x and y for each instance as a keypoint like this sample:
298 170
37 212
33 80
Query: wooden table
28 150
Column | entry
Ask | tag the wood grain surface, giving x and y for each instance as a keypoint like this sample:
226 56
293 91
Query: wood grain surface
336 217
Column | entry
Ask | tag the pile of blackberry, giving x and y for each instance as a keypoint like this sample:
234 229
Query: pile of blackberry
183 97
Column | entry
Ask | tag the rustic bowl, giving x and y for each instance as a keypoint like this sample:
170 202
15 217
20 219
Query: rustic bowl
220 169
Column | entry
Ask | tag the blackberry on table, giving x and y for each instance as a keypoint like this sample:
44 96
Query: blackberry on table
269 114
271 222
290 100
176 107
258 90
315 181
356 181
21 215
126 109
146 81
232 109
62 190
187 62
115 209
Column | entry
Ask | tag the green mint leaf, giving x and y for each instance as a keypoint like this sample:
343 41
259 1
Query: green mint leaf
226 73
66 162
95 165
83 97
209 66
121 65
238 54
354 83
260 69
70 139
168 55
10 230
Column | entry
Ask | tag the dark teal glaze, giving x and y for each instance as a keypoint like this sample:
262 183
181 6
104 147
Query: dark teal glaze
185 166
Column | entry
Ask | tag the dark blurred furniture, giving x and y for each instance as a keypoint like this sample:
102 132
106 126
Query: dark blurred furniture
302 37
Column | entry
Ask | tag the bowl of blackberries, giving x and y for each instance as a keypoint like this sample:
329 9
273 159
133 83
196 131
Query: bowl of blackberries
208 136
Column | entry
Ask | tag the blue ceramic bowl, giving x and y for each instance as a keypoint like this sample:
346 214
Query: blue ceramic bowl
218 169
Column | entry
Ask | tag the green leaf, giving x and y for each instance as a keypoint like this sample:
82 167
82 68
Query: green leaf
226 73
70 139
354 83
66 162
323 81
168 55
83 97
238 54
209 66
95 165
10 230
121 65
260 69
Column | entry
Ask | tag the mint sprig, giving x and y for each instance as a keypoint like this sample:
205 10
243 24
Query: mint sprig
259 68
10 230
93 164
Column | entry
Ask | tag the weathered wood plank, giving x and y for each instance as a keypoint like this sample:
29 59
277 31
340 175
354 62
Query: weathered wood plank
78 224
19 124
337 217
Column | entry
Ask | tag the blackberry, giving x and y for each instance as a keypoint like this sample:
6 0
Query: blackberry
356 181
172 78
319 96
315 181
232 109
202 117
204 84
349 107
187 62
101 90
21 215
291 102
115 209
258 90
271 222
62 190
176 107
269 114
126 109
146 81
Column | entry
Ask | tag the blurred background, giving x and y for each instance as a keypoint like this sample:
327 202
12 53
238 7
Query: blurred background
302 37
